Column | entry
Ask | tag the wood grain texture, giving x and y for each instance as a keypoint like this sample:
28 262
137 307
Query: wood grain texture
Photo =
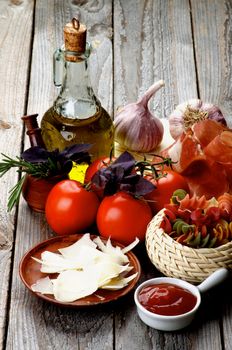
34 324
213 44
225 314
5 262
153 41
227 323
15 38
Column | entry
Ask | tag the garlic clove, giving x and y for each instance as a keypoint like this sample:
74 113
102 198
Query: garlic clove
144 135
136 128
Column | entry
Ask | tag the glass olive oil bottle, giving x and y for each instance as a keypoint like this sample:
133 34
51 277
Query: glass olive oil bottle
76 116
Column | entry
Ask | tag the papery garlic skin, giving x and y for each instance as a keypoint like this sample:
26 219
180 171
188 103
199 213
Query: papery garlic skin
190 112
136 128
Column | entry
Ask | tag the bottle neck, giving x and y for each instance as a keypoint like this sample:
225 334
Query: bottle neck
76 99
33 130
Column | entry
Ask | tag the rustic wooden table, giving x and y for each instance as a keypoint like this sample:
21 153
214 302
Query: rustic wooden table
188 43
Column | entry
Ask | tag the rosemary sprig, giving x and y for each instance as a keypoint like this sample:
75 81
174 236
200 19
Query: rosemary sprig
35 169
9 163
39 170
15 193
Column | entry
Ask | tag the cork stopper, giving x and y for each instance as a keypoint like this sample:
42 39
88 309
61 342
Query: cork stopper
75 36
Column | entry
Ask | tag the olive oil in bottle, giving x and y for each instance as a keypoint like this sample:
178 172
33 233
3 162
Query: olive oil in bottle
76 116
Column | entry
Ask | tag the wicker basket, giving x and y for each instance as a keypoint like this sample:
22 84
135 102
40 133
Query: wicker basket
176 260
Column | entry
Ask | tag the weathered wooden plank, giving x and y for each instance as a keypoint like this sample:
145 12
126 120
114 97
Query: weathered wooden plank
227 324
204 332
34 324
213 42
44 326
15 36
153 41
15 29
5 264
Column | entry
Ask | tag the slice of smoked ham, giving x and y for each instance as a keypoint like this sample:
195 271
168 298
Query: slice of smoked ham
205 131
220 148
204 156
212 184
188 158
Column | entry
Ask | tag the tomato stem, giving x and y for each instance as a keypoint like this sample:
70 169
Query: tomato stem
145 165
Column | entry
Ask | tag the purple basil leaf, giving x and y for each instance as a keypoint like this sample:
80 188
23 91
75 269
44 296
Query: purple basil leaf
119 177
66 166
143 187
119 173
111 187
125 188
99 180
132 179
36 155
124 157
70 151
78 153
126 161
81 158
136 185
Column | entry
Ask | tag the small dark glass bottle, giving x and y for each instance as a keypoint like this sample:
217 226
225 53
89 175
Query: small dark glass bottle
33 130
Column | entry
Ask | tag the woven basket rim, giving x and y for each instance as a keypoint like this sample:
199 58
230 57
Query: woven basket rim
177 260
186 248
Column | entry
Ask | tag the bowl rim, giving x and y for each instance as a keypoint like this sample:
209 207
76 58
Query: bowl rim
173 280
27 271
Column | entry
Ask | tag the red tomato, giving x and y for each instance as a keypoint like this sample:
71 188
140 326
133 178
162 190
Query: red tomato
123 218
165 187
97 164
70 208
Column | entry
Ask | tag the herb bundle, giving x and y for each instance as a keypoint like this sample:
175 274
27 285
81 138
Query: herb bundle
40 163
128 175
121 175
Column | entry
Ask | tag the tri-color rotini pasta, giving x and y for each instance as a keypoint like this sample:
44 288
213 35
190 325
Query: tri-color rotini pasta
198 222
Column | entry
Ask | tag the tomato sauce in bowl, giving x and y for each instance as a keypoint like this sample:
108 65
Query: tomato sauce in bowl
167 299
170 304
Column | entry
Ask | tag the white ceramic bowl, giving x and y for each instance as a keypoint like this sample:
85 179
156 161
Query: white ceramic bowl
173 323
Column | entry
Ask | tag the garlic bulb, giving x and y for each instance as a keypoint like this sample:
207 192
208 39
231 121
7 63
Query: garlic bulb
190 112
136 129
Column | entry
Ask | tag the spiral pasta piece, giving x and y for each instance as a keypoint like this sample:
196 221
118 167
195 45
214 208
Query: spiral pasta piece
193 203
225 205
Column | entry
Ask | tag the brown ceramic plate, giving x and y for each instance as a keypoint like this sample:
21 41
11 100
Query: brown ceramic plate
29 271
